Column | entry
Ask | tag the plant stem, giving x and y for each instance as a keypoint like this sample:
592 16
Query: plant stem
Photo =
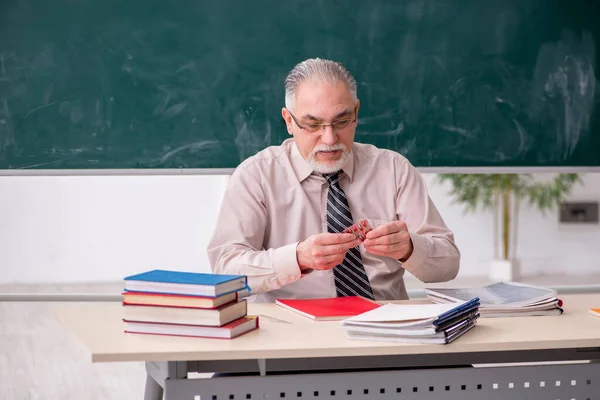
515 226
506 219
496 213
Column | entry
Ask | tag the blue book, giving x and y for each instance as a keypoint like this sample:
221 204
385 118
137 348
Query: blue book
185 283
460 309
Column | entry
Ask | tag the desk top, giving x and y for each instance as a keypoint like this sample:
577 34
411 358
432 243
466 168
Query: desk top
284 334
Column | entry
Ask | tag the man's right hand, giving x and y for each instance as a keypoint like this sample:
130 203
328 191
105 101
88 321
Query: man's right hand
324 250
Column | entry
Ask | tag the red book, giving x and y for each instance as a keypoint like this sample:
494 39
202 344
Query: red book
177 300
329 309
229 331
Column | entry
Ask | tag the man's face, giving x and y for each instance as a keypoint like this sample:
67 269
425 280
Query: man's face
318 103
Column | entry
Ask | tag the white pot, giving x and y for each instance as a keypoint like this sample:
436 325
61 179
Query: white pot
501 270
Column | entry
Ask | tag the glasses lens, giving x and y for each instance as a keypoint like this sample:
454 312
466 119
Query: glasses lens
341 124
312 127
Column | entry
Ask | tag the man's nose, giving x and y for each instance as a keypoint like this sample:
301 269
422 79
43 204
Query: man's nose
328 136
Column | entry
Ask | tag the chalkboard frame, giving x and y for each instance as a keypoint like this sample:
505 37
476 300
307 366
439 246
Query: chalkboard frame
229 171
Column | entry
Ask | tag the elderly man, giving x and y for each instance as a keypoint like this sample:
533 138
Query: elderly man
285 209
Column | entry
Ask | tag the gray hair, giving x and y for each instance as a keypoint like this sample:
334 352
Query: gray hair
325 70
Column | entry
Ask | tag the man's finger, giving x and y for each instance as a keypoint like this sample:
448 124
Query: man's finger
336 248
379 253
385 240
386 229
327 262
334 238
382 230
386 248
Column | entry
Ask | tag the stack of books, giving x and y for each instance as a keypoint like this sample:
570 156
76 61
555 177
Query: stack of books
414 323
504 299
189 304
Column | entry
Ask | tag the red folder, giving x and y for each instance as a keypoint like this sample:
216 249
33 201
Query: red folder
329 309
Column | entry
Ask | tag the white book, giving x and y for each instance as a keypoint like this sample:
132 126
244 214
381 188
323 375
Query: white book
416 324
398 332
406 339
519 313
550 305
498 295
543 305
406 314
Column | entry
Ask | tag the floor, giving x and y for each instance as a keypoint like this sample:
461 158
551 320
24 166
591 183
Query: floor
39 359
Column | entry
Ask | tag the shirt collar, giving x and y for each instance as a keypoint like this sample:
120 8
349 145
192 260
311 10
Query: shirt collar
303 169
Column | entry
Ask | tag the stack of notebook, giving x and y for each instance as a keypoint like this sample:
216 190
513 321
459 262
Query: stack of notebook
504 299
414 323
186 304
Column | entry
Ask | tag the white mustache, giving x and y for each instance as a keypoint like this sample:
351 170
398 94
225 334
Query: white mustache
324 147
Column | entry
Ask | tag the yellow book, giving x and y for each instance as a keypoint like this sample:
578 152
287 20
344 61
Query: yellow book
595 312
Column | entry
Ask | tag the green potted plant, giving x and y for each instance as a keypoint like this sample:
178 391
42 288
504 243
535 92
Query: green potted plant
501 194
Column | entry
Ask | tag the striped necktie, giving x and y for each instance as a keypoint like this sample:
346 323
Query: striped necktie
350 276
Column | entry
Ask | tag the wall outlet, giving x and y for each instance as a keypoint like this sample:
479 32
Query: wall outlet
583 212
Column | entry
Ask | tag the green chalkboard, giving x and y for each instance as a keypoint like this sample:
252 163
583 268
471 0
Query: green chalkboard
199 84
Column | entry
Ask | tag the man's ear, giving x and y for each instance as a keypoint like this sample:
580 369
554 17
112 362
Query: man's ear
288 119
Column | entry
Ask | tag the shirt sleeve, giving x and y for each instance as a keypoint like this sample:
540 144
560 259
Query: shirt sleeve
236 246
435 256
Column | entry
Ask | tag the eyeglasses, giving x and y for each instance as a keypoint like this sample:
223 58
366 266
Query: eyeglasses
335 125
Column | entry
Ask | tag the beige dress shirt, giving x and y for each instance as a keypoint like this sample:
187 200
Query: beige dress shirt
274 200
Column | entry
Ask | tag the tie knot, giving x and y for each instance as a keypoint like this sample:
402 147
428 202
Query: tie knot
332 178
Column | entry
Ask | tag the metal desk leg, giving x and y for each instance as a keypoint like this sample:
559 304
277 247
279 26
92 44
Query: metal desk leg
158 374
262 366
153 390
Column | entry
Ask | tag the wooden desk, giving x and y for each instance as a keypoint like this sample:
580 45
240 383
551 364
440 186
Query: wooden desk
287 344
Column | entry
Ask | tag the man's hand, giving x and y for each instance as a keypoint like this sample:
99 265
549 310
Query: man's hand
324 250
390 240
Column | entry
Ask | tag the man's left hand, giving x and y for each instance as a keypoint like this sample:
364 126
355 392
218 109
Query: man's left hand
390 240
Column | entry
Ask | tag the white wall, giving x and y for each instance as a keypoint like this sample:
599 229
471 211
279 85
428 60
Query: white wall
93 228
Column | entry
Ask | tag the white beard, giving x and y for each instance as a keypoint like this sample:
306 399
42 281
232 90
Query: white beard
323 168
